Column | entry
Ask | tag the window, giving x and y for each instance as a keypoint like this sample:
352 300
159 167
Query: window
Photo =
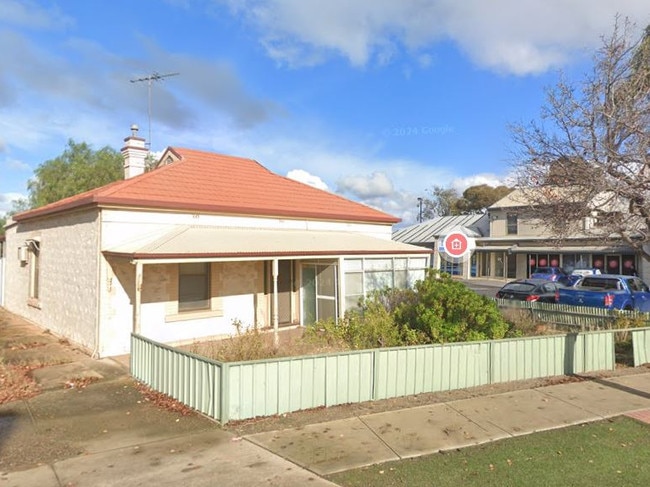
34 271
512 223
363 276
193 286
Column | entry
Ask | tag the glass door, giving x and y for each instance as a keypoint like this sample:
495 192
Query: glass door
319 292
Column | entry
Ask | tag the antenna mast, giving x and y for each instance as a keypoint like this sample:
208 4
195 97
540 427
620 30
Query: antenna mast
150 79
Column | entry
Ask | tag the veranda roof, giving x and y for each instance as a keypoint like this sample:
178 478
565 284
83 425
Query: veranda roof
192 242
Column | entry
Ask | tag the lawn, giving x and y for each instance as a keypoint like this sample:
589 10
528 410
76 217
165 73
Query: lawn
612 452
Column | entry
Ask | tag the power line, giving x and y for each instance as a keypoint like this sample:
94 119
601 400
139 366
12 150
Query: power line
150 79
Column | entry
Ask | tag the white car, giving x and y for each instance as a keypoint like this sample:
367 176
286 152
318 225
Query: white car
588 271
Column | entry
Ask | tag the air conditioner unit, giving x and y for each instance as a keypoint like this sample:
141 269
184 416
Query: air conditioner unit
22 254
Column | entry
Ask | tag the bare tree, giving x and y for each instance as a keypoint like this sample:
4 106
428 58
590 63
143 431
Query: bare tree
584 168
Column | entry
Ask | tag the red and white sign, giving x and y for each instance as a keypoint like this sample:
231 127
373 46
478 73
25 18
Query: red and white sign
456 244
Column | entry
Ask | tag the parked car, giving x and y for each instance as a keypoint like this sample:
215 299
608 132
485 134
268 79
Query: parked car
555 274
586 271
610 291
580 272
541 290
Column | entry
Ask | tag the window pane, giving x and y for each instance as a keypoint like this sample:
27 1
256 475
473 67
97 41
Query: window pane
34 275
378 264
354 284
308 294
415 276
512 223
352 302
193 286
326 309
378 280
401 279
353 265
326 281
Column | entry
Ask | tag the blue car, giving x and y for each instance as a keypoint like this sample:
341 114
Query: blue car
555 274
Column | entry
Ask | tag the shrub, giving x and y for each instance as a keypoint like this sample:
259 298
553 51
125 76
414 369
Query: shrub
624 321
448 311
371 326
522 323
249 343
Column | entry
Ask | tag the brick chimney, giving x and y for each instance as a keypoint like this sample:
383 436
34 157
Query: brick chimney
134 153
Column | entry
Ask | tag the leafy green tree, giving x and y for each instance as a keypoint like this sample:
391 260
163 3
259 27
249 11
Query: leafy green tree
476 199
78 169
3 222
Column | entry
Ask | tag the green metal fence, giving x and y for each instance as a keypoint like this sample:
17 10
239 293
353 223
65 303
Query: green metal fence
243 390
193 380
582 318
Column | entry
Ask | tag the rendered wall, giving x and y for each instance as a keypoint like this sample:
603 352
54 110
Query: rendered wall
237 294
119 226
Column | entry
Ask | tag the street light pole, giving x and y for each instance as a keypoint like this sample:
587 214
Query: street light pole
420 210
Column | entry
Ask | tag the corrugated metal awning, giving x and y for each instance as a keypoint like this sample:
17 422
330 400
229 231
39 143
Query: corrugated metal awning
188 242
515 249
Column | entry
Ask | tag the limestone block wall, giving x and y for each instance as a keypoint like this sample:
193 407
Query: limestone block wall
68 276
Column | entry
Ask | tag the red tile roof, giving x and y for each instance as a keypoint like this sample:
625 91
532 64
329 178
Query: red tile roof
214 183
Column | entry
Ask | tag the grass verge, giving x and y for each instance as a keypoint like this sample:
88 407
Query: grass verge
612 452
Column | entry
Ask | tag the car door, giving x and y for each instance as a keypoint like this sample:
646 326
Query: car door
640 294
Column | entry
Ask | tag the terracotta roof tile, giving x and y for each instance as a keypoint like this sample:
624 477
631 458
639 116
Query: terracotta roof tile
207 182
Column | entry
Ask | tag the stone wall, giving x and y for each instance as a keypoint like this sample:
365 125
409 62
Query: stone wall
68 277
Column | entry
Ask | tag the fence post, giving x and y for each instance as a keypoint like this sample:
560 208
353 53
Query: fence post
491 363
531 308
375 374
225 394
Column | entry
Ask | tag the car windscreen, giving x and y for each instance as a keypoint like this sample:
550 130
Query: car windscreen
600 283
518 287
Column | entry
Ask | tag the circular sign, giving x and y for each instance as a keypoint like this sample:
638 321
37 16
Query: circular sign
456 244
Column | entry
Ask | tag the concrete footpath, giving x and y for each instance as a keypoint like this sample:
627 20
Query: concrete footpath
336 446
91 426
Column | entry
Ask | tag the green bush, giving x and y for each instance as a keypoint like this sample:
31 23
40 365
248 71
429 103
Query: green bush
438 310
370 326
448 311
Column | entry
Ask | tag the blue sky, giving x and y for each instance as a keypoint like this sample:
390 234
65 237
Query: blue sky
377 100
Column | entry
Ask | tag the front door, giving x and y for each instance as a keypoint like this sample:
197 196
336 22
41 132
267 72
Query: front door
319 292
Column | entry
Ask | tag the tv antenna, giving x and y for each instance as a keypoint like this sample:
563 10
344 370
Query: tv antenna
150 79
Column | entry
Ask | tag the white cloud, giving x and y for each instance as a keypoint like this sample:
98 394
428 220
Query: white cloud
461 184
6 200
503 35
307 178
374 185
